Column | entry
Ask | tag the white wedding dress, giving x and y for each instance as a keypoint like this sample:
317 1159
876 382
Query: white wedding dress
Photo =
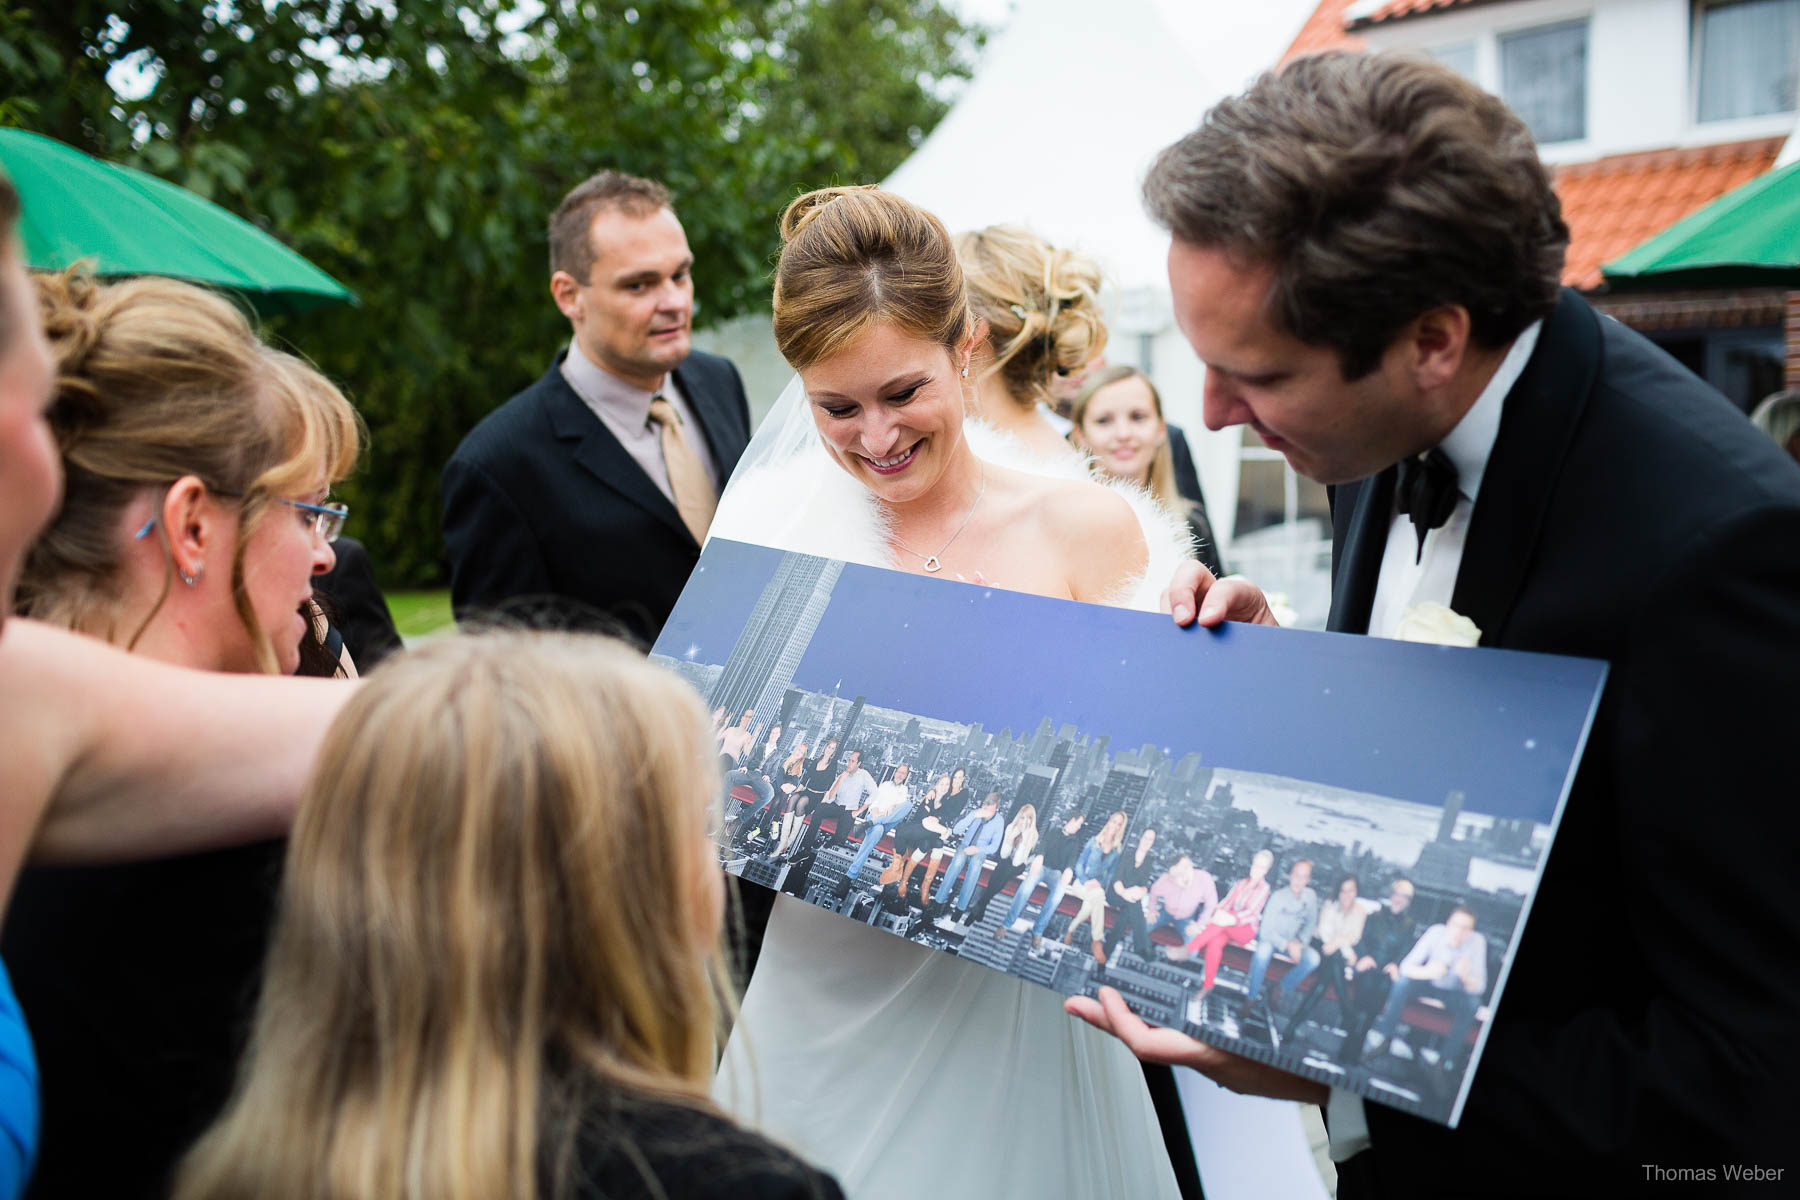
904 1071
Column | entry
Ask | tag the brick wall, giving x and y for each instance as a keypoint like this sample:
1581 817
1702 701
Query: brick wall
1793 340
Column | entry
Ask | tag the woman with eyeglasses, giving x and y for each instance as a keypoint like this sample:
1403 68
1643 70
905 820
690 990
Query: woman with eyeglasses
194 518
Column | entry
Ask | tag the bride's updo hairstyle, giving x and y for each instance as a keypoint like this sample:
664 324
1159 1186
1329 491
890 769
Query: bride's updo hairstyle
1041 305
852 257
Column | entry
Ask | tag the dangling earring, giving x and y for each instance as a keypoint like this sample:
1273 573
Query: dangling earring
196 577
965 374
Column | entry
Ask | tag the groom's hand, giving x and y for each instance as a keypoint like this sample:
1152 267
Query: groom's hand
1194 590
1230 1071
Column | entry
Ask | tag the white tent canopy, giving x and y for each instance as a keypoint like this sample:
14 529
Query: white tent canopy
1071 103
1069 107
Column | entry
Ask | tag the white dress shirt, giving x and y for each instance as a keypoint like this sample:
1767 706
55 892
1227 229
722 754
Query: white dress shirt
1404 583
889 798
854 788
625 410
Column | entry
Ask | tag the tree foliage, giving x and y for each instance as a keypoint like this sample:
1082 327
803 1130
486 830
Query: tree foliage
414 150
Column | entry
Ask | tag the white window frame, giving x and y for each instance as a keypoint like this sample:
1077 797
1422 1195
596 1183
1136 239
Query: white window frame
1472 45
1485 25
1496 81
1722 124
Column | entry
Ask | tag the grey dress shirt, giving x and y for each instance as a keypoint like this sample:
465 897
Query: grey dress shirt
625 410
1289 918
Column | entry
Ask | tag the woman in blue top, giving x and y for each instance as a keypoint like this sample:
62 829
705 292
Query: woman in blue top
18 1094
1092 872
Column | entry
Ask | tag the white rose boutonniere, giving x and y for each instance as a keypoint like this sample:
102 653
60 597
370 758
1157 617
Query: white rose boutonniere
1438 624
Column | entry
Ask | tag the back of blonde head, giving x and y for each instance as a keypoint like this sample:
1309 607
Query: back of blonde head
852 257
155 380
488 909
1041 305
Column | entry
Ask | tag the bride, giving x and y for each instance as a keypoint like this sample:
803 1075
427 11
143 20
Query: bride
880 1059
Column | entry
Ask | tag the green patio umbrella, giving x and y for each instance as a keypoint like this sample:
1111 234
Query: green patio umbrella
1749 237
126 222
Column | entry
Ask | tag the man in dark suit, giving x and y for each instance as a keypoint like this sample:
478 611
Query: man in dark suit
589 492
1366 252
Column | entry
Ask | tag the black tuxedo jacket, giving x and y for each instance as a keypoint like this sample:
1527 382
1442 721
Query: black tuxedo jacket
1629 513
544 509
357 607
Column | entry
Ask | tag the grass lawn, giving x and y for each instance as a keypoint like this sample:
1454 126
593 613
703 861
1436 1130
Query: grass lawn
418 614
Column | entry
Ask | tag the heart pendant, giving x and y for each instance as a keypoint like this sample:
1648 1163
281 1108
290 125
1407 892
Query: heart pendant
933 565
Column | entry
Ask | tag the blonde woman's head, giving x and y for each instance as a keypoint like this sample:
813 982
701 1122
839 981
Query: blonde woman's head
1118 418
485 905
871 314
1041 306
1779 417
168 405
1112 833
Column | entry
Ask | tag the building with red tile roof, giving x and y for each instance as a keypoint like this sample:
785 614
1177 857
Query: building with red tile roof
1395 10
1615 203
1326 29
1630 153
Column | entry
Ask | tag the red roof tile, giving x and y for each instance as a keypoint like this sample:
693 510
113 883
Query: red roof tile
1614 203
1394 10
1324 30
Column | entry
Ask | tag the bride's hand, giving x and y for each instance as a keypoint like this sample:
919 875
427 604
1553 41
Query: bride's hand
1229 599
1228 1070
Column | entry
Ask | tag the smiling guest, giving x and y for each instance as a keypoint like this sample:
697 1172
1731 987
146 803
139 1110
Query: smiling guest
590 492
1118 419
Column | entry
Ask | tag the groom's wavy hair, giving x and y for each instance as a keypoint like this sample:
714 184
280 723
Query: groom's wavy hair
1378 187
855 256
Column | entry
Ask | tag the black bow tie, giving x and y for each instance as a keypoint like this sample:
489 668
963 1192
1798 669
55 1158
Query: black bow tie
1427 492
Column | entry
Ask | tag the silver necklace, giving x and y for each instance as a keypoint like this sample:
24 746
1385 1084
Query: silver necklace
932 564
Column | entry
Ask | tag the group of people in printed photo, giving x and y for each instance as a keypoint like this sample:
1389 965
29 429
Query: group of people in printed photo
1368 963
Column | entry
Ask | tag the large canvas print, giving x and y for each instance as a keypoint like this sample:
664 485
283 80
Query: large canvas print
1312 849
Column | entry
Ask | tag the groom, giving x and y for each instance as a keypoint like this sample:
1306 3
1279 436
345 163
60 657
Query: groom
1366 253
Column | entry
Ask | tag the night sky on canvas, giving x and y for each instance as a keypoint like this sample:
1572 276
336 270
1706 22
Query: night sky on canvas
1408 721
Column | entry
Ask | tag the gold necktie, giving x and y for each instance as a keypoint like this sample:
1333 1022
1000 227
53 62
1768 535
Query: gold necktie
694 496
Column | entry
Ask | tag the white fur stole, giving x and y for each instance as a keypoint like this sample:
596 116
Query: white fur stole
810 505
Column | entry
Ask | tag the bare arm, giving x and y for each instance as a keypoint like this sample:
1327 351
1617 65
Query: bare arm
109 756
1155 1045
1102 538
